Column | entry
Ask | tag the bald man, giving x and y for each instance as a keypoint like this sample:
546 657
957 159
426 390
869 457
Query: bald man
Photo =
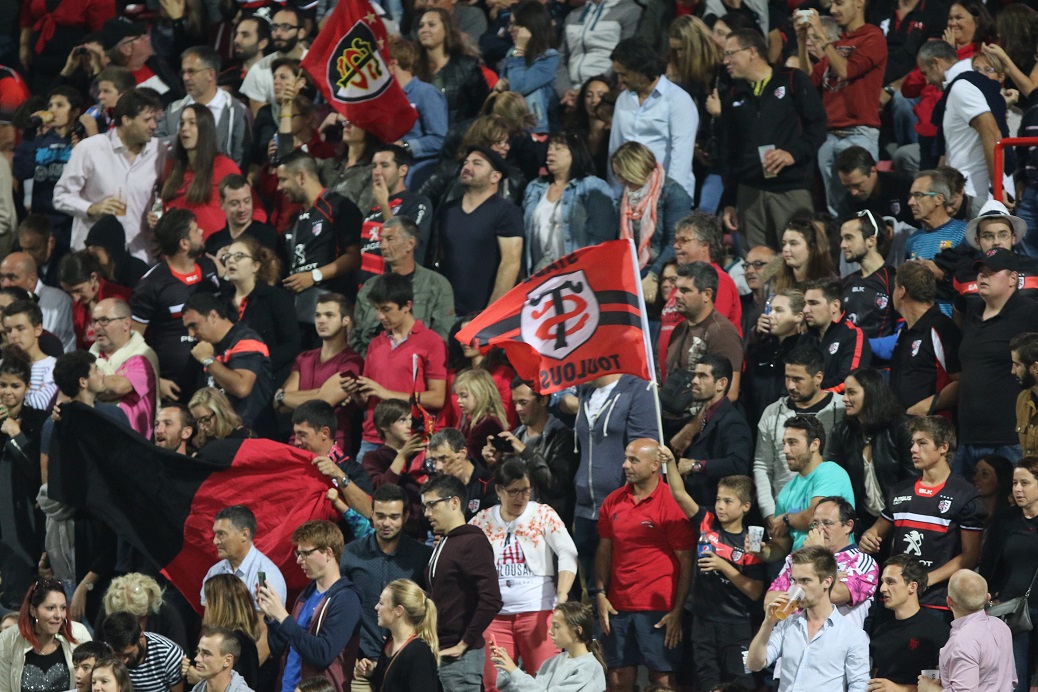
642 572
130 366
19 269
979 652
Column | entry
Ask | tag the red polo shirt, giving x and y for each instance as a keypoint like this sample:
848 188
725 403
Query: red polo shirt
851 102
645 536
390 366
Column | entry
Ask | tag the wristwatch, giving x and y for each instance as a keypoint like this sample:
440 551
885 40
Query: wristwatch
318 277
785 520
207 362
342 483
279 396
889 89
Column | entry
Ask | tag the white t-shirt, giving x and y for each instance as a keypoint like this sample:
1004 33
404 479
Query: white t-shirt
258 84
522 591
963 145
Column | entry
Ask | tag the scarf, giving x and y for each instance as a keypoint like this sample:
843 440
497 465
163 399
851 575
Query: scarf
643 212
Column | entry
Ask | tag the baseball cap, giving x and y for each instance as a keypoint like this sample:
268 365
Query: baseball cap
115 30
997 259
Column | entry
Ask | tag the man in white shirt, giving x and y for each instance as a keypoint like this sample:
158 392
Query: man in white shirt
968 126
234 529
287 31
115 172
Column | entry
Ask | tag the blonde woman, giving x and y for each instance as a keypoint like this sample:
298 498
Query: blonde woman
482 411
141 596
650 208
215 417
412 653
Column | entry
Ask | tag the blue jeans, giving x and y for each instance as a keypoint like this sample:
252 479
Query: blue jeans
967 456
365 447
866 137
1027 209
904 119
710 194
1024 655
585 536
465 673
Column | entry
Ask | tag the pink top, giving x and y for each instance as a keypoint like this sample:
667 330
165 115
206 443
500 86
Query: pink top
139 404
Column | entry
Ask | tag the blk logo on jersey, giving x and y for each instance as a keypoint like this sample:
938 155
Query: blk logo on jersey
560 315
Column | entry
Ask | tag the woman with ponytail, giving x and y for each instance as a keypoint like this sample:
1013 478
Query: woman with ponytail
412 652
579 668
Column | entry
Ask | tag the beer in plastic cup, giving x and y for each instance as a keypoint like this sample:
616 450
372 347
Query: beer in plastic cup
761 151
120 197
784 610
932 674
755 535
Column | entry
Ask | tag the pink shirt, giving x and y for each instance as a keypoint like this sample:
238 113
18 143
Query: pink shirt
313 372
978 655
391 365
139 404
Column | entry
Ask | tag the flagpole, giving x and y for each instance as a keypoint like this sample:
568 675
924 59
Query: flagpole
647 343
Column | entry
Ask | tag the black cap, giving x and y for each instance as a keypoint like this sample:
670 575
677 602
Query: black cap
998 259
115 30
492 157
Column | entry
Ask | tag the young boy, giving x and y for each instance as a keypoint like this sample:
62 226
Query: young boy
84 658
395 462
727 583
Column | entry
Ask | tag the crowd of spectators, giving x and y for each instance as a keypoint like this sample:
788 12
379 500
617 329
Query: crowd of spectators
839 264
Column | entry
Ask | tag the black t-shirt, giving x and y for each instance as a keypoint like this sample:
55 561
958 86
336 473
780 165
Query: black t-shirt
158 302
46 672
471 253
867 302
890 198
243 349
319 236
925 357
900 649
987 390
1013 540
927 525
410 204
715 597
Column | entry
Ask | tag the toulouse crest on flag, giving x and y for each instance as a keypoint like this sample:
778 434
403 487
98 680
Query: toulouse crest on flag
560 315
356 69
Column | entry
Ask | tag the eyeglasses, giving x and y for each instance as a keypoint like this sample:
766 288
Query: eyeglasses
920 195
757 264
826 523
304 554
1001 235
192 73
865 213
206 421
986 70
283 27
427 506
516 492
105 321
236 256
730 53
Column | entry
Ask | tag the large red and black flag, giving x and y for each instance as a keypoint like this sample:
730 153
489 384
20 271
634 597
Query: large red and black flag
577 319
349 61
163 503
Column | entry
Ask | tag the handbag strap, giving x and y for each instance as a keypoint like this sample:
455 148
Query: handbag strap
1027 593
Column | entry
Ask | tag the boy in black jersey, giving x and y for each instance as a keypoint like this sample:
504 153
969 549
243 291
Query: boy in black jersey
728 580
912 641
938 518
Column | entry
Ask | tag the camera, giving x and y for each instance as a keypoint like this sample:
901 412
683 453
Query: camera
501 444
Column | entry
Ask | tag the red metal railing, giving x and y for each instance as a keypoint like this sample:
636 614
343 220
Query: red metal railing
999 158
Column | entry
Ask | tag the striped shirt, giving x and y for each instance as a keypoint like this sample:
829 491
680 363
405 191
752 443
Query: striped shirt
41 386
160 669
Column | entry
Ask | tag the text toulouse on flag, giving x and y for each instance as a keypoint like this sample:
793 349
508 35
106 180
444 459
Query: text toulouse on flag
573 321
349 63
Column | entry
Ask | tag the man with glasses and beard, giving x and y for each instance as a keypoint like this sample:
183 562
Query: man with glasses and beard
867 292
287 31
158 300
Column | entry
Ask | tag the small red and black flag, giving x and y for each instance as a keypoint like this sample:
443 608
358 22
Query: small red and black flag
350 65
577 319
163 503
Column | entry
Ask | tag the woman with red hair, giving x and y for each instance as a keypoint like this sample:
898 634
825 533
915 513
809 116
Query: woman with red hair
37 654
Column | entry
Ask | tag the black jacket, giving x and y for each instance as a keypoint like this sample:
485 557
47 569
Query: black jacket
726 445
787 114
552 460
265 312
891 456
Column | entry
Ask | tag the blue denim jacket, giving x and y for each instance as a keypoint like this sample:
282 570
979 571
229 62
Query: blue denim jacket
586 212
536 83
